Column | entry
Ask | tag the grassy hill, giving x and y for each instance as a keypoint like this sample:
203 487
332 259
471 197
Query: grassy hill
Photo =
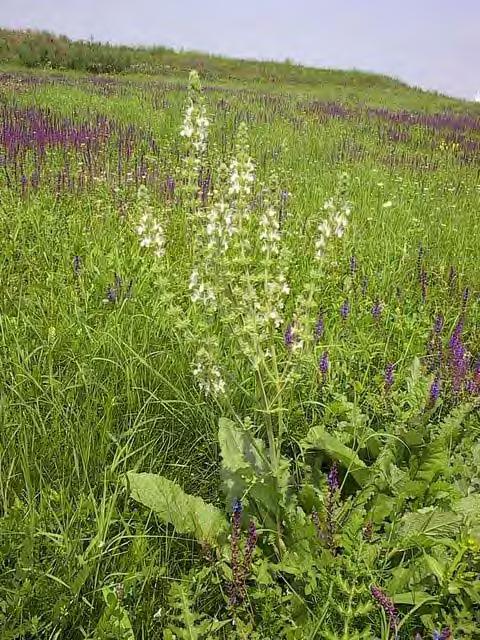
42 50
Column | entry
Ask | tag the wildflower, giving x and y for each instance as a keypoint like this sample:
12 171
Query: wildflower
148 228
270 231
387 605
465 297
249 548
291 338
388 376
333 482
376 310
459 359
235 586
319 327
435 391
324 365
438 326
345 310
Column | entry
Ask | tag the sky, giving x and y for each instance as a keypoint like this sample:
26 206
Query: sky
434 44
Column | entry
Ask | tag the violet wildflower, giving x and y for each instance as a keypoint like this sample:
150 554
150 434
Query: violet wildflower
333 481
435 391
377 310
324 365
288 336
438 325
459 360
387 605
319 327
388 376
236 584
345 310
249 548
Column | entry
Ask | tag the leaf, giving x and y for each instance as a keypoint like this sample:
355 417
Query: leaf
434 460
188 514
428 525
414 598
114 619
245 466
469 507
319 438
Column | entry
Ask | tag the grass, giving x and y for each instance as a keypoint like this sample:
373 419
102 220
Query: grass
90 389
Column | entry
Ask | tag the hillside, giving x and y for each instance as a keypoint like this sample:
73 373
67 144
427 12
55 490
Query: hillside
45 51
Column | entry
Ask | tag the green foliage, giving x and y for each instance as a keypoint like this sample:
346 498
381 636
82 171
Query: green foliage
186 513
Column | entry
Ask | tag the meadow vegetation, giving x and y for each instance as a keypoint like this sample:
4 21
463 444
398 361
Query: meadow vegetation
240 357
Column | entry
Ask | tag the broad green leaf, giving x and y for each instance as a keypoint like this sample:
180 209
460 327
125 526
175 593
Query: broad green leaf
428 525
413 598
245 466
469 507
188 514
318 438
434 460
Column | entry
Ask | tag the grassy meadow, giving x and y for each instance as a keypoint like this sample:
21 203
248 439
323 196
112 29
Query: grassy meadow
344 360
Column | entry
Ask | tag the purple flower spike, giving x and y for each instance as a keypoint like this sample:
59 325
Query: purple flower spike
438 325
319 327
288 336
435 391
377 310
388 377
333 481
387 605
345 310
324 364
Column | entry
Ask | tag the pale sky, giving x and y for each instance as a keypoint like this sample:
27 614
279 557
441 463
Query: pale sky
434 44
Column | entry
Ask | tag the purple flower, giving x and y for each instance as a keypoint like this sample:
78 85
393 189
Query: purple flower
387 605
333 481
377 310
459 360
324 364
319 327
388 376
249 548
435 390
288 336
345 310
235 586
438 325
